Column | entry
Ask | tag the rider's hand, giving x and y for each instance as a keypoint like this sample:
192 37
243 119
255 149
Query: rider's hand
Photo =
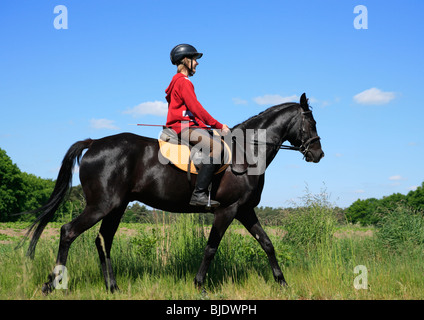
225 130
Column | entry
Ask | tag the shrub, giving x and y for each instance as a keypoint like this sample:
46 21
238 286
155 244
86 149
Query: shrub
313 224
401 226
146 243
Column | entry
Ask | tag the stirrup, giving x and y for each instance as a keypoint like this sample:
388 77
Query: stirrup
215 203
210 204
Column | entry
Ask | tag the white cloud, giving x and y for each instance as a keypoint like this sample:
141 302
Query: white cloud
239 101
396 178
157 108
359 191
103 124
374 96
274 99
412 188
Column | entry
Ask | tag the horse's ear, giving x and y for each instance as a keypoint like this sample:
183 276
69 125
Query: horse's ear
304 102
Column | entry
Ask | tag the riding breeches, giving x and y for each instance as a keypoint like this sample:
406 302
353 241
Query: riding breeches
204 141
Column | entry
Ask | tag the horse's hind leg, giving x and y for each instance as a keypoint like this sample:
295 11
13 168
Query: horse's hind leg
249 219
68 233
104 243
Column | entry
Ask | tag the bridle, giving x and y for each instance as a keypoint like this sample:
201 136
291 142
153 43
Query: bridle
304 146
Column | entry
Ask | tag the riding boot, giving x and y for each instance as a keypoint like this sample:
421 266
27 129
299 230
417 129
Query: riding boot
200 197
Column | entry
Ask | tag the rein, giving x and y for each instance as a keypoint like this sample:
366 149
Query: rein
275 145
304 147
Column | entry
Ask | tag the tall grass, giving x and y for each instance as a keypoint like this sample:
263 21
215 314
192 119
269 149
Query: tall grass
159 260
313 225
401 226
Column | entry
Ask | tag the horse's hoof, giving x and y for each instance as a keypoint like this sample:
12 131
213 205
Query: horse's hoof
114 288
201 290
46 288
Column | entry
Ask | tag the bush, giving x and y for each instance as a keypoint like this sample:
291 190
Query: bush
146 243
313 224
401 226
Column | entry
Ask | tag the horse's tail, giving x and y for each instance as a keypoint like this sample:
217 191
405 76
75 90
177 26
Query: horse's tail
61 188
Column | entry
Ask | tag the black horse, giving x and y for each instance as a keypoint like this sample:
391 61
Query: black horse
122 168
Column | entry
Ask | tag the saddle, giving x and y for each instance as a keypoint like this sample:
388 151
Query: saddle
181 154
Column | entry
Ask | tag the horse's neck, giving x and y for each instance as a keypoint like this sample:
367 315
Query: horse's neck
277 137
275 130
277 123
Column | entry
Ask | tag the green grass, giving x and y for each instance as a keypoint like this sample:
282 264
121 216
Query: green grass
159 261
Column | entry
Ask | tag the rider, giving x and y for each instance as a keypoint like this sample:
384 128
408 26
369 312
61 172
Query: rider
188 118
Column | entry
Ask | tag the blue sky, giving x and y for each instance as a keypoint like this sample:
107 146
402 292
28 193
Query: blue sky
110 68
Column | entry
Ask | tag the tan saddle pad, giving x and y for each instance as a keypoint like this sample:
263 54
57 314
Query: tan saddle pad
179 156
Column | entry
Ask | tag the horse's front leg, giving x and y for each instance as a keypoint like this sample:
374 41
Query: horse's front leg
223 218
249 219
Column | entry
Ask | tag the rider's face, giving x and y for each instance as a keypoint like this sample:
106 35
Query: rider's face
194 65
191 63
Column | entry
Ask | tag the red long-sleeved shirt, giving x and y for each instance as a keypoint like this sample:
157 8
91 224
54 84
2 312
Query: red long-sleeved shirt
183 106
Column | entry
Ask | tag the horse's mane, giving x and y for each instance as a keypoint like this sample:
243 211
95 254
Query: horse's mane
270 110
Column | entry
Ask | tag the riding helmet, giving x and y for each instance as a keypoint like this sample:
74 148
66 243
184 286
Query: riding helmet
181 51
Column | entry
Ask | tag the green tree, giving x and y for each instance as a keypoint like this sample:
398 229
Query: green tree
392 201
370 211
73 205
416 198
12 194
20 191
37 191
363 211
135 213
